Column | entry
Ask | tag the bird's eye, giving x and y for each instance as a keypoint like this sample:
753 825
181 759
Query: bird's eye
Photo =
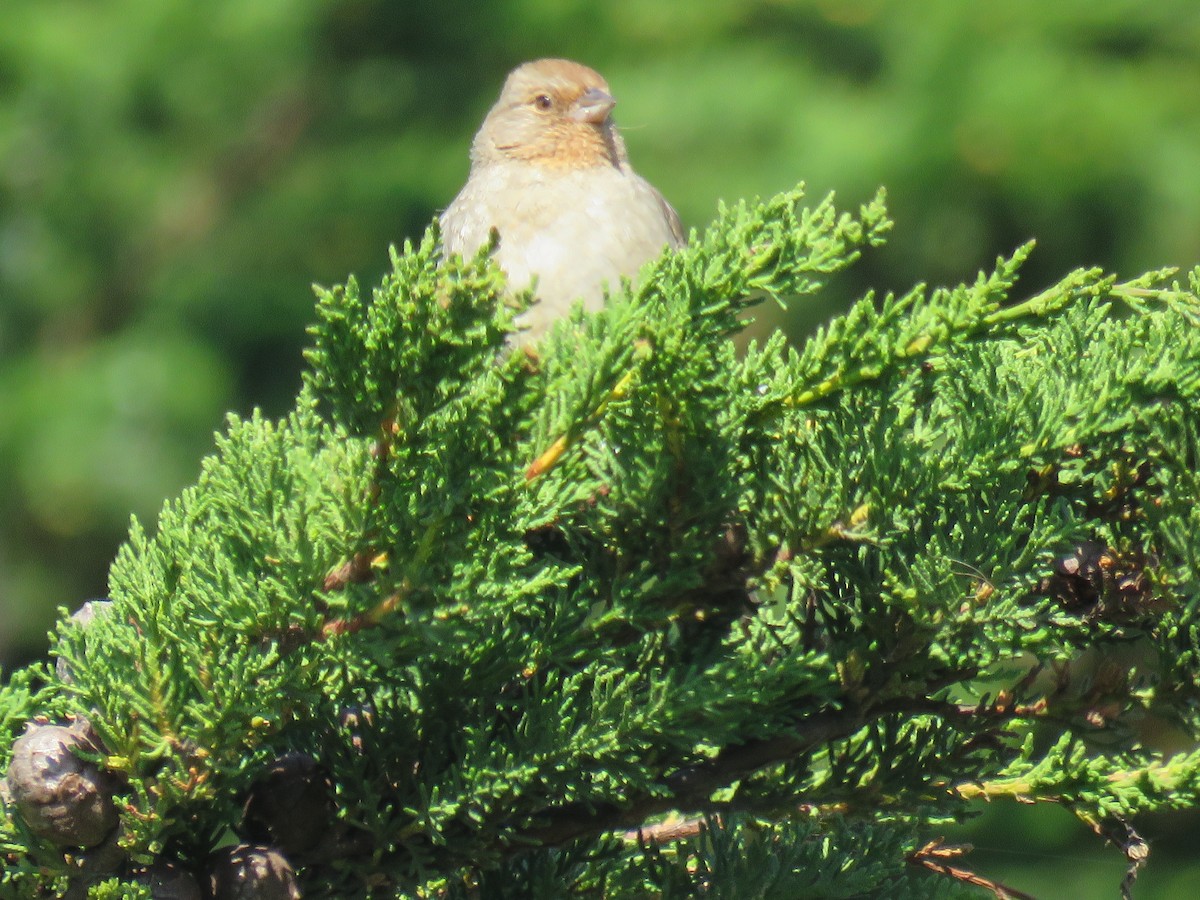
543 101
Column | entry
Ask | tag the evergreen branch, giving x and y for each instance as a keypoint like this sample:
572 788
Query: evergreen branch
372 618
854 578
692 789
689 789
548 459
1116 830
1173 782
935 856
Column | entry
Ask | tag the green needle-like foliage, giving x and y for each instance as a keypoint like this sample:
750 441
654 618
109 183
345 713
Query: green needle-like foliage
633 613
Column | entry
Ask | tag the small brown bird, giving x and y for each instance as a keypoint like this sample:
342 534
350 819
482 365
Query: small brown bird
550 173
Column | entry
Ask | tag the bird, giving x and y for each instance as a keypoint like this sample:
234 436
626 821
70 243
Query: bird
550 173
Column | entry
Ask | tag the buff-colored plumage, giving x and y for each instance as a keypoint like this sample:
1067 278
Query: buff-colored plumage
550 173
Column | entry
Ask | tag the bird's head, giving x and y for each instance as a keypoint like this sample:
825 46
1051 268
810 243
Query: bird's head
552 112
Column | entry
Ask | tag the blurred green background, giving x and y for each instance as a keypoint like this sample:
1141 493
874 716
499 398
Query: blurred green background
174 176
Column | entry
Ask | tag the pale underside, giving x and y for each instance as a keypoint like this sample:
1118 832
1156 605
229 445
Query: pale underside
577 230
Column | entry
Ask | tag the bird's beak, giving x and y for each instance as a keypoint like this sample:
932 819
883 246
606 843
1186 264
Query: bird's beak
592 107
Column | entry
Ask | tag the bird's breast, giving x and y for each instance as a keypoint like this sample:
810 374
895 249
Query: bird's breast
575 231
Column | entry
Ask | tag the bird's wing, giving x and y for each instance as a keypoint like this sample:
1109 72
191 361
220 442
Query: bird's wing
679 239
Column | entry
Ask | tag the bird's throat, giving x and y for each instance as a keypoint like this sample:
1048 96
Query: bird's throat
579 146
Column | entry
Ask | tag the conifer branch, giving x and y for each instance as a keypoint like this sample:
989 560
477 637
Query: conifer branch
936 857
478 619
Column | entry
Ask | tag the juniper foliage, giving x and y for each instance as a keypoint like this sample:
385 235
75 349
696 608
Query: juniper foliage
640 614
